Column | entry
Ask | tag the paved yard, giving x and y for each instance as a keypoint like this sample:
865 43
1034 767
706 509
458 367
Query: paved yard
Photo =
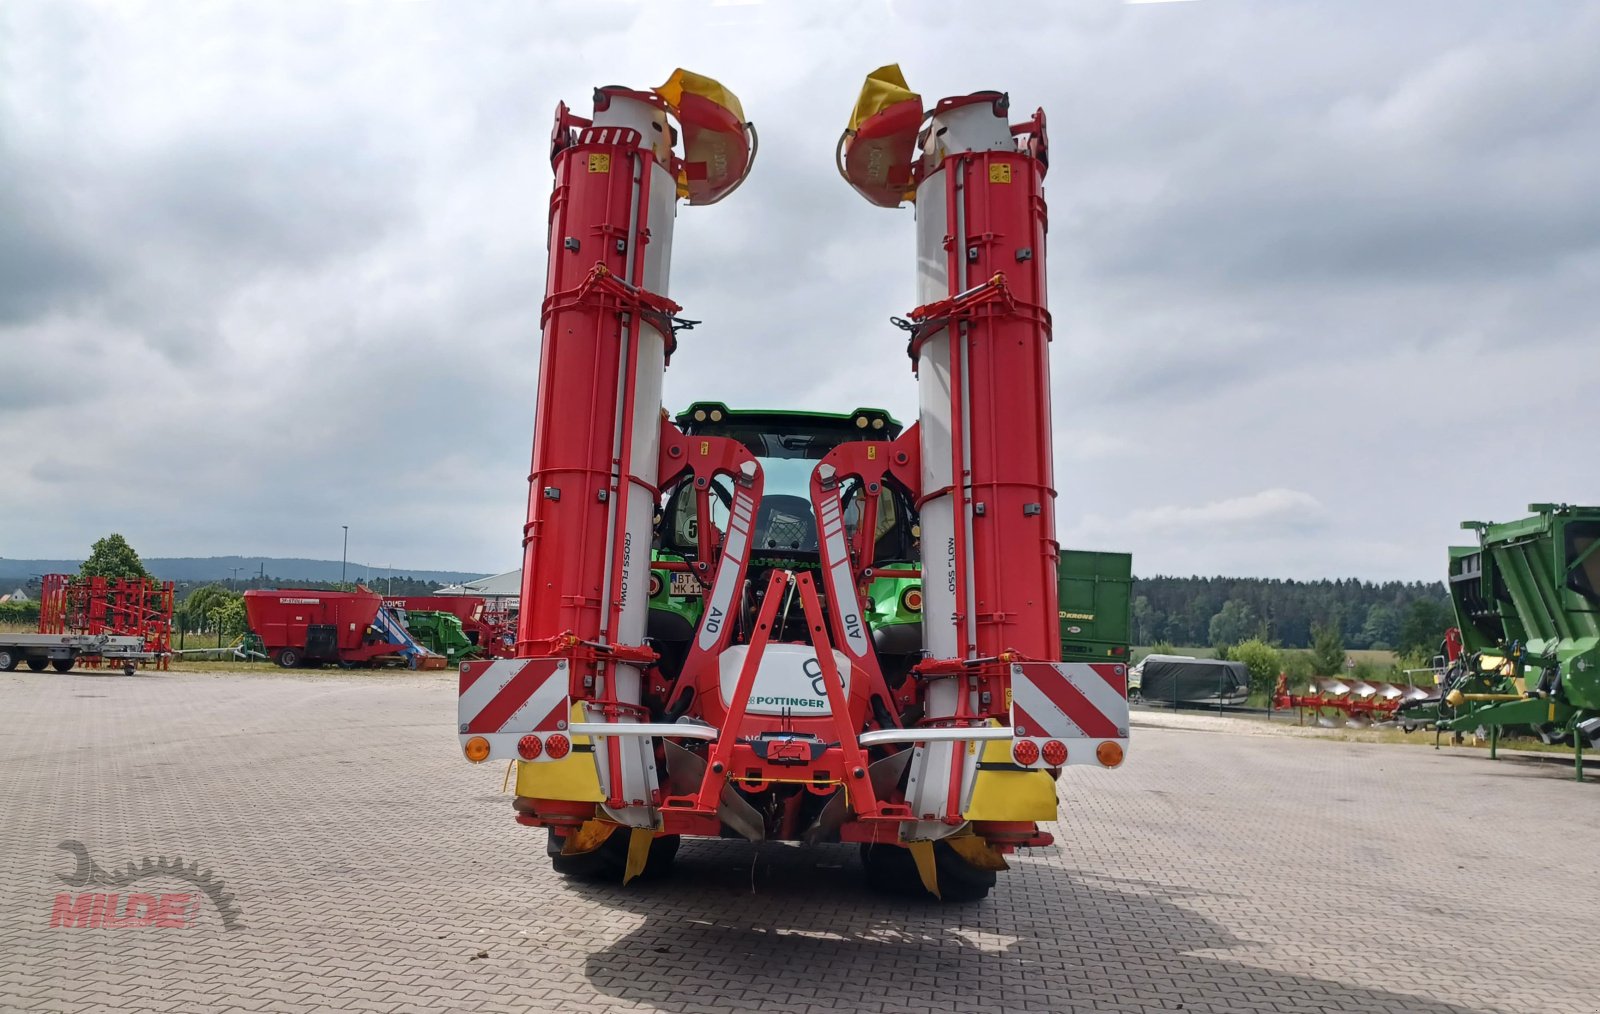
369 867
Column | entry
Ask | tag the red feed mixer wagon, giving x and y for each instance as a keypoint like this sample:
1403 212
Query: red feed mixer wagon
780 720
307 626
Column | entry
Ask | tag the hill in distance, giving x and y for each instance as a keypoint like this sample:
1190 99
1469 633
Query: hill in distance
221 568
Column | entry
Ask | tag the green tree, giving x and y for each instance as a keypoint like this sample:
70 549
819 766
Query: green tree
1327 650
1234 622
228 616
1142 617
1263 661
205 605
112 557
1424 627
1382 626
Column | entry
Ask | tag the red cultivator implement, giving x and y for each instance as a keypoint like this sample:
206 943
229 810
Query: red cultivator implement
97 606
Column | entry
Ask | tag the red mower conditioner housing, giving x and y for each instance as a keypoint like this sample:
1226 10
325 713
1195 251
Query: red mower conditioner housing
780 719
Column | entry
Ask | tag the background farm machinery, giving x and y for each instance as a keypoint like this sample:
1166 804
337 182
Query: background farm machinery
1527 601
100 607
1334 700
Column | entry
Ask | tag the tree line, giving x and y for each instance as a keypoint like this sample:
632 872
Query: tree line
1402 616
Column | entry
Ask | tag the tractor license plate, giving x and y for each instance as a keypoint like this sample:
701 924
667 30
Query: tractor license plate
684 583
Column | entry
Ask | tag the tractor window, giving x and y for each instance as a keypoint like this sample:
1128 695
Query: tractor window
784 520
895 537
683 522
888 515
1583 559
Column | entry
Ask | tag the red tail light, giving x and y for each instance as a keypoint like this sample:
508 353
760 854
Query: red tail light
529 747
1025 752
1055 753
557 746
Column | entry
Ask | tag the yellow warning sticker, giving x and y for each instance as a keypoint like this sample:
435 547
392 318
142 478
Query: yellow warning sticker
872 454
600 162
1008 698
999 172
705 448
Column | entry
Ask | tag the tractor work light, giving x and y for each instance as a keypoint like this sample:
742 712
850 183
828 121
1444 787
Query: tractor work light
1109 753
477 749
862 422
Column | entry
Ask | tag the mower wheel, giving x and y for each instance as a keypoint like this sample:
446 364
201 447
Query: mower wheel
63 664
289 658
610 861
37 664
9 658
891 869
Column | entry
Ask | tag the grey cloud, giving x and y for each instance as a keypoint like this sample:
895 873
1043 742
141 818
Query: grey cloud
292 260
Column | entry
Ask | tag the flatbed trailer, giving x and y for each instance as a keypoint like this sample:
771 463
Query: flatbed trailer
62 651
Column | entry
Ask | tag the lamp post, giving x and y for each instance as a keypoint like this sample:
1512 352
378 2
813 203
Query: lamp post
344 557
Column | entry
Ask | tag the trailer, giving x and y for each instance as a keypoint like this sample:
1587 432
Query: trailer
300 626
62 652
788 707
1096 599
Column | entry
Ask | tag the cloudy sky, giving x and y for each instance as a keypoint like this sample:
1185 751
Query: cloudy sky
1325 276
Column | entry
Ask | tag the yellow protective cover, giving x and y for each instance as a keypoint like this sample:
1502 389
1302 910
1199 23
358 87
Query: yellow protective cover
572 777
1010 794
688 82
883 88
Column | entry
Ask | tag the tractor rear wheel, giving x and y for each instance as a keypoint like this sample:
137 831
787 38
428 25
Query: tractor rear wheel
38 664
63 664
891 869
610 860
287 657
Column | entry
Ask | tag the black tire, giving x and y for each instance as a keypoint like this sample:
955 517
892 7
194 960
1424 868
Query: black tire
63 664
288 658
891 869
37 664
610 861
9 658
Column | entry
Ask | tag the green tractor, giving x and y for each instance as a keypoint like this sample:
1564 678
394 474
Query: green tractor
789 444
1527 601
1094 587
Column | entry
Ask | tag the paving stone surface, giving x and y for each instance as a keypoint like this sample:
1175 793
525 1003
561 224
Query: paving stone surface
369 866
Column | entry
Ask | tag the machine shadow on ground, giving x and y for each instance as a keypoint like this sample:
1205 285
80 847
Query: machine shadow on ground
752 926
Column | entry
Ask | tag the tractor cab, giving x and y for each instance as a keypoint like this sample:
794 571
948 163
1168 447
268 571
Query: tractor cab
788 445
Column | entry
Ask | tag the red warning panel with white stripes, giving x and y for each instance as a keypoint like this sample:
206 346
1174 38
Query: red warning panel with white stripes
506 699
1065 710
